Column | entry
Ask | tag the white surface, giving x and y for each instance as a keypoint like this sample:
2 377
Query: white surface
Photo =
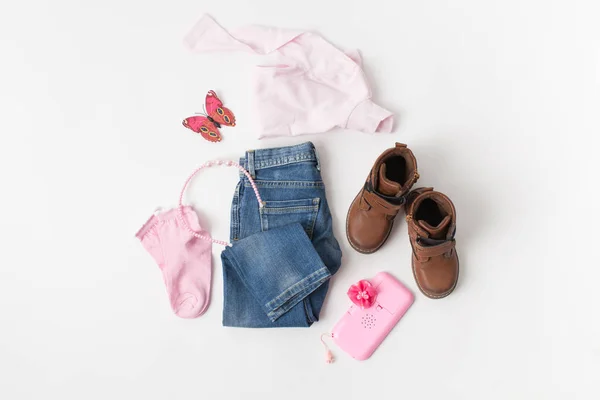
498 100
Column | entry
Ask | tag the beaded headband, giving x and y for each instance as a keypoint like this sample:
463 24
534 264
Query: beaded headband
206 165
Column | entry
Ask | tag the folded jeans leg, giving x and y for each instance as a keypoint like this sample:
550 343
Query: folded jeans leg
242 310
279 268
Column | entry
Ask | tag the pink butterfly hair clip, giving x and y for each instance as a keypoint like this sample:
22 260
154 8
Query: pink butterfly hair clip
362 294
216 115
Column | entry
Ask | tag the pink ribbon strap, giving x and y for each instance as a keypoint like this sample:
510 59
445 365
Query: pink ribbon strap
212 164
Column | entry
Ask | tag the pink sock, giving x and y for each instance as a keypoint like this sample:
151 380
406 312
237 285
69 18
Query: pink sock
185 261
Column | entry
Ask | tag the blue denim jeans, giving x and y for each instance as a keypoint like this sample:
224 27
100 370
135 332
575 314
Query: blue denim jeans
276 273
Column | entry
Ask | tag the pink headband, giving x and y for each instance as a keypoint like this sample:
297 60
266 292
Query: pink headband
212 164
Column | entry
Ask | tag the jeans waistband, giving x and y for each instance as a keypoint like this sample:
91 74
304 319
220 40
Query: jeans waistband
267 158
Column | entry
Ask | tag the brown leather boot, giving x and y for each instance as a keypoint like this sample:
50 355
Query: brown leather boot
431 221
371 214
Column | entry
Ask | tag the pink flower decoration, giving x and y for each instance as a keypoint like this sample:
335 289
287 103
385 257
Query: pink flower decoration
362 294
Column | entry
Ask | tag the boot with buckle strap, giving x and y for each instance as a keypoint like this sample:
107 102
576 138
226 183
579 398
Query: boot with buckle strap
371 214
431 219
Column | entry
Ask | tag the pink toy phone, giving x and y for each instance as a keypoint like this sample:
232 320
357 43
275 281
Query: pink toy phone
360 331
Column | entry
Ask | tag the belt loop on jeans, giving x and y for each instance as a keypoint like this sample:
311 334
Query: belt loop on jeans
317 157
250 167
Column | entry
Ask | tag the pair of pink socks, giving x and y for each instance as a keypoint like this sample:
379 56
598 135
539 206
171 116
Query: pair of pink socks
185 260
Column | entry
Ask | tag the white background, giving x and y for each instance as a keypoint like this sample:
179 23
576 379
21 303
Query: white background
498 100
